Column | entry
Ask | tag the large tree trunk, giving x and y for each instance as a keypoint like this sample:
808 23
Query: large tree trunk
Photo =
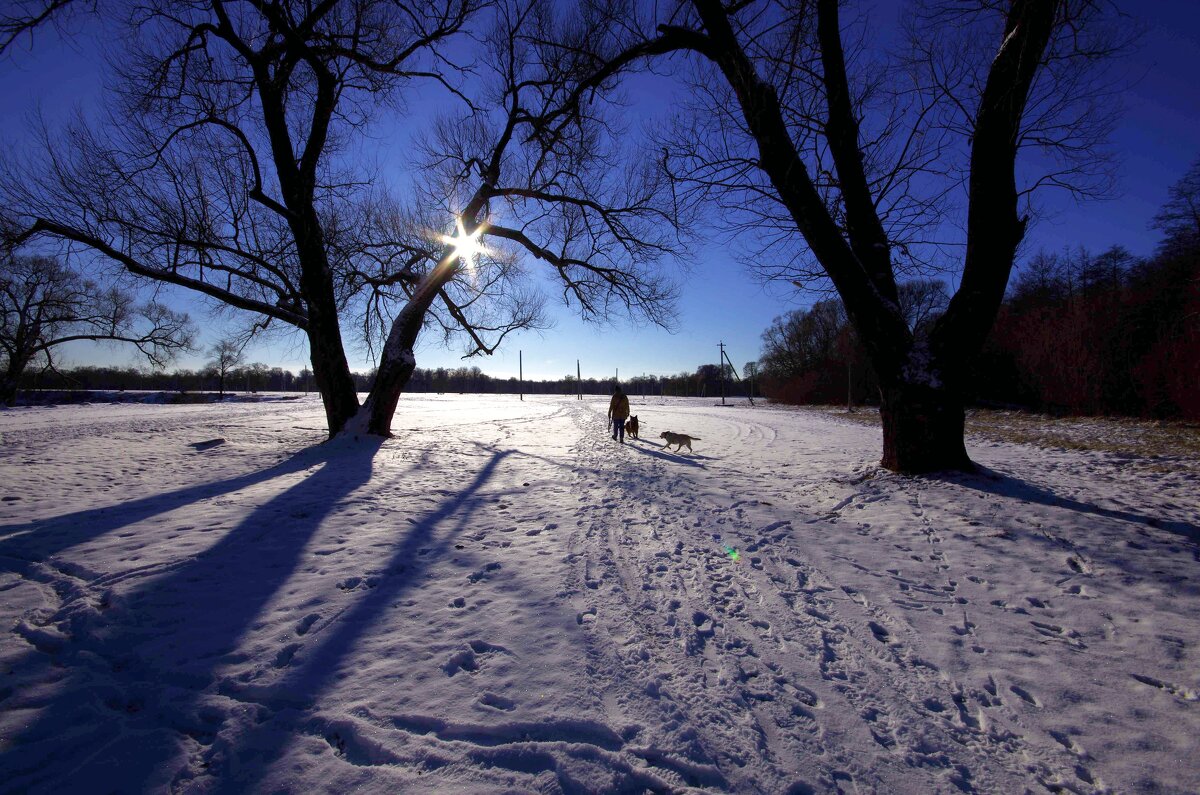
397 361
390 381
922 429
297 182
330 369
331 372
9 378
8 390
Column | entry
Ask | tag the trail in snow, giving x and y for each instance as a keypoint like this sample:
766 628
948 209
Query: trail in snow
502 597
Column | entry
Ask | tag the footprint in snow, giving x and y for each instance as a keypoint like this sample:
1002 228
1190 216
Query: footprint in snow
470 658
284 657
1183 693
1055 631
1065 741
880 632
934 705
463 660
495 701
854 595
306 623
993 693
483 574
1025 695
1079 565
703 622
354 583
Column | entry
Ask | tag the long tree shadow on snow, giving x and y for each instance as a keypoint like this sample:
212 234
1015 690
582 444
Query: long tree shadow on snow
34 541
130 672
317 667
1004 485
1103 547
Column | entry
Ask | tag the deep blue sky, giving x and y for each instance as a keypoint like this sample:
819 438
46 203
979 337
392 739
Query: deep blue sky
1157 140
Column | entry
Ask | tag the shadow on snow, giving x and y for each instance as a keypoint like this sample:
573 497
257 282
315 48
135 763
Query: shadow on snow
1004 485
31 542
130 672
662 454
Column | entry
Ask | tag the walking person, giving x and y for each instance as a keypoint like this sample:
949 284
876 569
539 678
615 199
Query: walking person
618 411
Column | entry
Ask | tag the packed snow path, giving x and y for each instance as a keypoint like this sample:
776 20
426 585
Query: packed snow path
503 598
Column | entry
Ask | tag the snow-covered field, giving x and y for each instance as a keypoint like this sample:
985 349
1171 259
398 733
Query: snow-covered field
503 599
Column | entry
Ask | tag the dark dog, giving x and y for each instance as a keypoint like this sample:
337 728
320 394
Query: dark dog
631 426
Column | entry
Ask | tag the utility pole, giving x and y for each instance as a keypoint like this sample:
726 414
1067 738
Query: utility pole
850 388
578 380
721 367
521 373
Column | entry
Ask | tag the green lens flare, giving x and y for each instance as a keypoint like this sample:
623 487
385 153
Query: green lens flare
733 554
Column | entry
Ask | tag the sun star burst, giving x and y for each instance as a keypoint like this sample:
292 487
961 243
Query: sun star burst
465 246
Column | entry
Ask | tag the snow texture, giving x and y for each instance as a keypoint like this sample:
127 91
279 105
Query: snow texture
503 599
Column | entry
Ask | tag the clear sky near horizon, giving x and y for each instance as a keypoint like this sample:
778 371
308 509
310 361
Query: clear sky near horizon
1156 141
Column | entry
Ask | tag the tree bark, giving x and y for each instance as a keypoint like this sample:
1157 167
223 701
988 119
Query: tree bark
392 377
397 361
331 371
922 417
10 376
8 390
922 429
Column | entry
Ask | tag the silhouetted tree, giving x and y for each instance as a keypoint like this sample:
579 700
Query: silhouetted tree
811 141
44 304
554 197
1179 218
222 172
226 355
217 172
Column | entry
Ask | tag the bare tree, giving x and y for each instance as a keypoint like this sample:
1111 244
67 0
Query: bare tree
226 355
1179 218
22 18
219 170
563 199
824 151
224 173
922 302
44 304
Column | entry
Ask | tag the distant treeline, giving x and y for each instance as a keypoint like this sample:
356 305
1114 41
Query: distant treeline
1077 334
705 381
